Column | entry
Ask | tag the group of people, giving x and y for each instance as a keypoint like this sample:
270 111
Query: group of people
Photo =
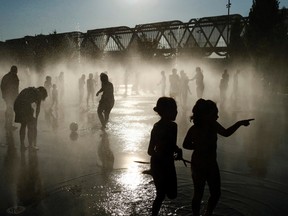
24 107
91 84
201 138
21 104
163 148
179 85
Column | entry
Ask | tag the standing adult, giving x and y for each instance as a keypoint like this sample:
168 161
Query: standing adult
174 80
61 86
106 102
10 90
184 89
199 77
90 89
162 83
235 87
24 113
81 84
223 86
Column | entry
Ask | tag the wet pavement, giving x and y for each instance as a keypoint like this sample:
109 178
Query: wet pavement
94 172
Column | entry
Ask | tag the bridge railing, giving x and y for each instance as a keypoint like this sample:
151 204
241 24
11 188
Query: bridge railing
208 34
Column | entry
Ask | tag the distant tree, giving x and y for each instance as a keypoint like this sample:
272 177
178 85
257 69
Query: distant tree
266 38
266 27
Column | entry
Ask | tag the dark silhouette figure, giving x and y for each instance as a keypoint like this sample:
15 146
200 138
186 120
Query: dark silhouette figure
162 83
162 149
174 80
54 97
48 85
10 90
90 89
223 86
81 84
184 88
199 77
202 138
106 102
235 93
24 113
60 83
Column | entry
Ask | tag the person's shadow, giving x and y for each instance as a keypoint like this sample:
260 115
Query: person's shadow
105 154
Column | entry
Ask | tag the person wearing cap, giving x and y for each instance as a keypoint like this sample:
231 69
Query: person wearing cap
10 90
107 100
26 115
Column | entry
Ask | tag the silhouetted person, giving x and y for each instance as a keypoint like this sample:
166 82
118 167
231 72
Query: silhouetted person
184 88
235 93
224 86
10 90
90 89
162 147
81 84
174 84
24 113
106 102
162 83
54 97
48 85
60 85
199 82
51 113
202 138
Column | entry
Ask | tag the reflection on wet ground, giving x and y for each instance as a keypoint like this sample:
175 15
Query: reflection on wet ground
95 173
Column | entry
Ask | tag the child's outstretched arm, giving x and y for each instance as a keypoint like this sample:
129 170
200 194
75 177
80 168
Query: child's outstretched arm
229 131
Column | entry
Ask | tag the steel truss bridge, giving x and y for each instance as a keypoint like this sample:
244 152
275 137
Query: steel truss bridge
205 35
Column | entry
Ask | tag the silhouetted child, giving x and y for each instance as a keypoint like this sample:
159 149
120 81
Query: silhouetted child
163 151
24 113
202 138
107 100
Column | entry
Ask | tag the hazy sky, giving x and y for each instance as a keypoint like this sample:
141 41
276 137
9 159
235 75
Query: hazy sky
19 18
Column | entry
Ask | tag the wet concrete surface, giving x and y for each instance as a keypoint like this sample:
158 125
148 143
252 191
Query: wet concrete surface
95 173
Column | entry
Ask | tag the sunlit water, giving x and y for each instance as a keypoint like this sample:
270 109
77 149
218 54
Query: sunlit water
97 173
